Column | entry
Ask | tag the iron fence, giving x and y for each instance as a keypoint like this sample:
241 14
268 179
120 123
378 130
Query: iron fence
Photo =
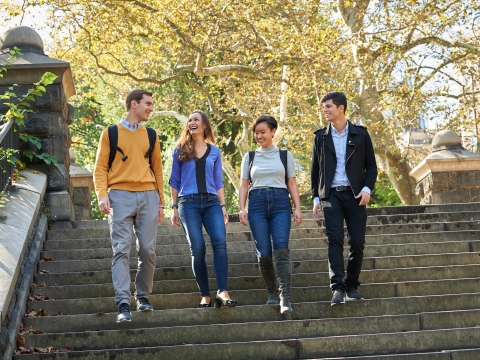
8 140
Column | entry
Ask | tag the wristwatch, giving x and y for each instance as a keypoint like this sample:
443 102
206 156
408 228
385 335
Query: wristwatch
174 206
223 205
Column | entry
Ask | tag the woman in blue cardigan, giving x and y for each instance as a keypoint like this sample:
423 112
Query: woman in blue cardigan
198 198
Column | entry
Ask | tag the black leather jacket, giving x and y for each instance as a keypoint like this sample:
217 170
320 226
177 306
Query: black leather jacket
360 166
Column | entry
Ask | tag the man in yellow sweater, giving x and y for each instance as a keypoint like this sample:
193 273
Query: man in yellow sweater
134 202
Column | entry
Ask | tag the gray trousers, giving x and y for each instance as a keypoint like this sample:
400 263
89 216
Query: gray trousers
133 212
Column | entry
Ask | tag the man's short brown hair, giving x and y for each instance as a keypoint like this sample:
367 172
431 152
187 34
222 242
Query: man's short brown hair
136 95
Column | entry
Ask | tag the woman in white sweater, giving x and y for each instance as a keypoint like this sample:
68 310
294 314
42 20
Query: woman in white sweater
270 180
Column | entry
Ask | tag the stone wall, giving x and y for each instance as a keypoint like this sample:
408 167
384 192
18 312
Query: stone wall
451 187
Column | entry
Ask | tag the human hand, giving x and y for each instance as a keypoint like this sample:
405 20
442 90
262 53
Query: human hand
104 205
365 198
161 213
175 219
297 216
225 215
243 215
317 211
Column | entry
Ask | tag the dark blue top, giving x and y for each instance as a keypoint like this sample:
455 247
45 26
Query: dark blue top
198 176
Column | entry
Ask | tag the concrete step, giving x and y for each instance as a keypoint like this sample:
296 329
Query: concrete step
413 342
169 269
258 296
238 332
104 251
257 313
373 237
425 209
464 354
166 229
243 233
234 270
256 282
248 253
393 211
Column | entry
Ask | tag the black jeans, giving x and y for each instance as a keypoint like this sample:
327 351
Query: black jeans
340 206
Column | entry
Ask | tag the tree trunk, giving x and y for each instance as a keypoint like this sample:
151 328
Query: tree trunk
398 169
231 173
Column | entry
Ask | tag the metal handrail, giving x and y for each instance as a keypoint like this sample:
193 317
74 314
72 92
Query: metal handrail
9 139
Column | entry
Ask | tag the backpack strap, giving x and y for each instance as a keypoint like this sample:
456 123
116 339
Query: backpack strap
251 156
152 137
113 138
283 158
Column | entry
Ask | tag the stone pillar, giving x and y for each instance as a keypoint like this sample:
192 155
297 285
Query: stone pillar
449 174
52 113
82 184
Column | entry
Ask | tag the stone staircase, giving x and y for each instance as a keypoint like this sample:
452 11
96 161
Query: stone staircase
420 278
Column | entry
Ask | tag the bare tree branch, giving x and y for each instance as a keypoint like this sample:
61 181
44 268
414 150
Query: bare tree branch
183 38
439 69
182 118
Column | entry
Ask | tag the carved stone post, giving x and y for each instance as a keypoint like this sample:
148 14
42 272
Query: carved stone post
52 113
449 174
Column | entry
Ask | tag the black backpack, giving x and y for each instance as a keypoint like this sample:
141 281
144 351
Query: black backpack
113 137
283 158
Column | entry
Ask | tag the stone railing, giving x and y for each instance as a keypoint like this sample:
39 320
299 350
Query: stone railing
8 140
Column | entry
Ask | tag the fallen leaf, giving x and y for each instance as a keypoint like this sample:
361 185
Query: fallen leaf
35 313
39 285
21 340
24 350
100 313
44 272
46 350
60 313
31 313
48 258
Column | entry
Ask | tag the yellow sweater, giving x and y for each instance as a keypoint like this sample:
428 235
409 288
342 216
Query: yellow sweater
133 174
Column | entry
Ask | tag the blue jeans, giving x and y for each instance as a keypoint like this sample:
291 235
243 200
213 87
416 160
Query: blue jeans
195 210
269 215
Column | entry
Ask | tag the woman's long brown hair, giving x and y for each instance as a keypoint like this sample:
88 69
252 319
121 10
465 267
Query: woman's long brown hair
185 143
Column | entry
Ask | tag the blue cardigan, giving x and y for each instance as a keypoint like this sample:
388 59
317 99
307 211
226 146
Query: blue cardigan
203 175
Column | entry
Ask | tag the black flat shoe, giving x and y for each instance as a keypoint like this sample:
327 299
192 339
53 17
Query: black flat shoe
219 302
204 305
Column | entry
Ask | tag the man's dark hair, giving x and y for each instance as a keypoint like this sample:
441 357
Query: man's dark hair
136 95
337 98
270 120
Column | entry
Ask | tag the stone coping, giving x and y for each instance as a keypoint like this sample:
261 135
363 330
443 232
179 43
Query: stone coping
445 164
19 214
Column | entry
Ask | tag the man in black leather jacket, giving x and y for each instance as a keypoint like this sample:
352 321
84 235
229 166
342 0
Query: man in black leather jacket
343 174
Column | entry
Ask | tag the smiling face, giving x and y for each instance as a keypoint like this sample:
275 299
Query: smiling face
263 134
331 111
142 109
195 124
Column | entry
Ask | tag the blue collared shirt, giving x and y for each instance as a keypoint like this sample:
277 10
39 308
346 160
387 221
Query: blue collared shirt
127 125
340 143
203 175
